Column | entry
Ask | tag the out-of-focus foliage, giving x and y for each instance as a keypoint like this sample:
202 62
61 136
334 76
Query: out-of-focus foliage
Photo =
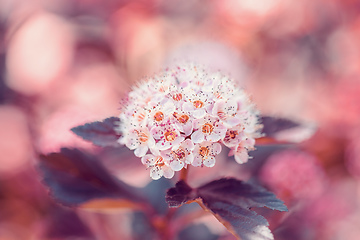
74 178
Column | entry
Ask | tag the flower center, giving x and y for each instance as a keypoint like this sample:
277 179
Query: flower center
170 136
162 89
159 116
198 104
207 128
159 162
183 118
141 117
233 134
199 83
179 154
217 95
177 97
204 151
142 137
221 115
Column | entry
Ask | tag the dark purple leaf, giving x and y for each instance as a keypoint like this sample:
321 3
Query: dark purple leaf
280 130
102 134
231 200
241 222
242 194
74 178
274 125
180 194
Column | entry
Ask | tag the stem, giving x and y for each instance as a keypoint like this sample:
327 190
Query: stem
162 223
183 174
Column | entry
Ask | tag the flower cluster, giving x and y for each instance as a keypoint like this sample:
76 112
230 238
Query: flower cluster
182 116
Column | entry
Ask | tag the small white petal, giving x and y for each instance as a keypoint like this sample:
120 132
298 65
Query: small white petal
213 137
187 128
197 123
199 113
156 173
209 161
141 151
216 148
197 136
166 154
233 121
122 140
248 143
177 165
157 132
218 107
188 107
220 130
163 145
189 159
151 142
155 151
188 145
168 172
231 152
168 108
242 156
176 143
132 142
148 160
197 161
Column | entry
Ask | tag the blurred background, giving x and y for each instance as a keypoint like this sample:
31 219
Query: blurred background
67 62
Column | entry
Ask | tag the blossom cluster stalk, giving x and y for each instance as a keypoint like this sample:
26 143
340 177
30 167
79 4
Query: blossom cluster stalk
183 116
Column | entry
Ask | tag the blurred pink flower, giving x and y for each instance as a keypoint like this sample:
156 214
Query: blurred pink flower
40 51
326 212
15 143
352 154
55 133
293 174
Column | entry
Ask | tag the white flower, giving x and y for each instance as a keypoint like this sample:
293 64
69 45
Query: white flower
160 113
240 154
197 104
182 115
158 167
183 122
204 154
181 156
233 136
139 140
167 136
226 111
208 128
240 151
